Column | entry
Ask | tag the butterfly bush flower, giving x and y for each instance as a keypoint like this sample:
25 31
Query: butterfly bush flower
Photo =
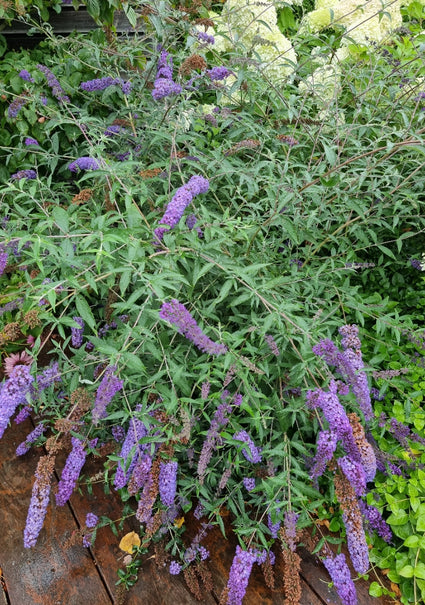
355 474
349 364
219 421
290 529
3 261
77 333
248 483
53 84
136 432
375 521
99 84
91 520
168 482
25 75
71 471
326 446
218 73
24 174
39 500
84 163
240 572
341 577
205 37
109 386
164 86
177 314
16 106
251 453
179 202
336 416
272 344
30 141
13 393
25 446
175 568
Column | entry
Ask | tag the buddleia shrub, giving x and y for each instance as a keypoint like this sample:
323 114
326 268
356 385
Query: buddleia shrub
201 270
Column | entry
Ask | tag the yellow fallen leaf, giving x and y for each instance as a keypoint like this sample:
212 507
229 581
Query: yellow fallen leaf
129 541
179 522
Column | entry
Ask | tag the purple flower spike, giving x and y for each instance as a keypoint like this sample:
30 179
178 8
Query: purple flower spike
77 333
239 575
179 202
84 163
53 84
167 482
99 84
29 141
341 577
24 174
251 453
177 314
13 393
25 75
109 385
3 261
71 471
218 73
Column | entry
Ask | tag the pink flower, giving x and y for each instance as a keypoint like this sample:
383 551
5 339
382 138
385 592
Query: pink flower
16 359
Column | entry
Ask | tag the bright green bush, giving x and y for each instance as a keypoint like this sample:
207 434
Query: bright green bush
313 212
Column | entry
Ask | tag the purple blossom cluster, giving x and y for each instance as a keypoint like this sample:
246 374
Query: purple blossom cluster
164 85
25 75
84 163
98 84
240 572
218 73
16 106
272 344
71 471
290 527
175 568
129 452
341 577
167 482
30 141
355 474
77 333
29 174
336 416
14 304
177 314
375 521
3 261
25 446
249 483
349 365
108 387
53 84
191 223
204 37
326 446
91 520
251 453
39 501
179 202
219 421
13 393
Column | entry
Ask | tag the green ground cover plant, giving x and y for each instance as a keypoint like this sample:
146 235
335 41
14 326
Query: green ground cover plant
210 259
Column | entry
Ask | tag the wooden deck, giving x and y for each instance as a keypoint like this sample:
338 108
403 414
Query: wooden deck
55 572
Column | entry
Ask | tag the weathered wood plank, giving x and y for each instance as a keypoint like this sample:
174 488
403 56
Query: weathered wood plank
49 573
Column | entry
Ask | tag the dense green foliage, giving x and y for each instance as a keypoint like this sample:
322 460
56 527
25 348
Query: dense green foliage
313 214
